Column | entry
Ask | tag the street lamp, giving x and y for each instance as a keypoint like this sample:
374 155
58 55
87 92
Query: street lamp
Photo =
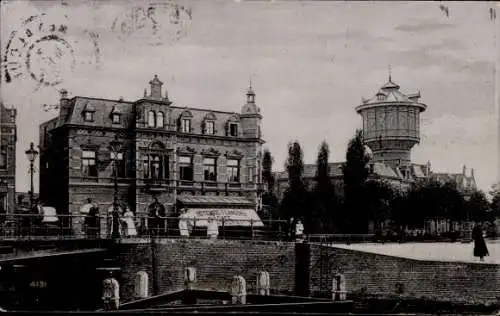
31 153
115 147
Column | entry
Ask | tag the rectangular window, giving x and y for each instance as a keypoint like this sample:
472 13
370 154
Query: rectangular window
116 118
233 170
155 166
89 116
186 125
185 168
89 168
233 129
209 169
120 165
3 157
209 128
251 174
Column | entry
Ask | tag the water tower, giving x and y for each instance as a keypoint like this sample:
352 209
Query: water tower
391 124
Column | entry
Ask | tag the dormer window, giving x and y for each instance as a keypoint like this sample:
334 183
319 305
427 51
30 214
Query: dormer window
115 118
233 129
88 116
185 125
151 119
184 122
209 127
88 113
209 123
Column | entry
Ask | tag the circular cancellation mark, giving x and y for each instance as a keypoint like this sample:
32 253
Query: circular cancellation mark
40 50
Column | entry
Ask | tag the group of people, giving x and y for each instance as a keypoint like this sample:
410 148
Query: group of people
91 220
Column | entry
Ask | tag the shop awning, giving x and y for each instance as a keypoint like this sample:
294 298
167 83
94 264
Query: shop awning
199 217
214 200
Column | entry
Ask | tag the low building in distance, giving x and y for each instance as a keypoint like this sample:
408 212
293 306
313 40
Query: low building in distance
196 158
8 140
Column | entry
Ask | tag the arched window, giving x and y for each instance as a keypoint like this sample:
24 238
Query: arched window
160 119
151 119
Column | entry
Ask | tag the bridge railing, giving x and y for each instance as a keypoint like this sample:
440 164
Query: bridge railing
82 226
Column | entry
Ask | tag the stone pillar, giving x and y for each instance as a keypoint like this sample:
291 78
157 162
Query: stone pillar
263 283
339 290
141 284
239 290
110 293
189 297
189 278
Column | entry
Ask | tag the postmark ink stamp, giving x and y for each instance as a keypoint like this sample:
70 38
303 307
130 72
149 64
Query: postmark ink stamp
43 52
157 23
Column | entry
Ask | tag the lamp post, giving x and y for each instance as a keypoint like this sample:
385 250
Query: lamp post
115 147
31 153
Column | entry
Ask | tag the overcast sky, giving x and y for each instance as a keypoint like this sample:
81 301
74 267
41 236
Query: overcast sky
310 64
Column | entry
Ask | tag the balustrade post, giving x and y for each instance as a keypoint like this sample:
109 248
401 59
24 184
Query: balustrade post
226 187
189 297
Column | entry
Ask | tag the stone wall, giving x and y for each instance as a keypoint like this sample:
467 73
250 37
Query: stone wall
386 275
306 269
216 263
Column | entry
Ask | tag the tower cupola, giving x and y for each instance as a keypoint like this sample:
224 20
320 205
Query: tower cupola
250 108
391 124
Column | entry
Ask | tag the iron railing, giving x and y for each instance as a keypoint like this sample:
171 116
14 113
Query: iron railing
23 226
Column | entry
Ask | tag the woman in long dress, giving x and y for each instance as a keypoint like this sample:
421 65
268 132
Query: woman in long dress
480 249
129 224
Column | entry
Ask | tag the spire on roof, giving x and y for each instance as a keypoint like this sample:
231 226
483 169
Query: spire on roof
390 73
250 93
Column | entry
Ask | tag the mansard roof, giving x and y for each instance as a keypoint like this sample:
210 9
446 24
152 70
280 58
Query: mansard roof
102 109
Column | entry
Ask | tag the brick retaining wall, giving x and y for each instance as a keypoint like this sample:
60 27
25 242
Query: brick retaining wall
218 261
387 275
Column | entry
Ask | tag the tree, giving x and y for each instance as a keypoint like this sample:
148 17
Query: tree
267 169
269 199
295 199
322 218
355 174
478 207
377 197
434 200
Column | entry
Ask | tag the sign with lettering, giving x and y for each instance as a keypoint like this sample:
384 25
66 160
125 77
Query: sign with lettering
38 284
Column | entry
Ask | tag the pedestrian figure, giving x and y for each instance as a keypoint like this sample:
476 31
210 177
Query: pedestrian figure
212 228
480 249
299 231
156 217
91 213
110 293
128 222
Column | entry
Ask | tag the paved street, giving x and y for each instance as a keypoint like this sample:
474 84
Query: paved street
461 252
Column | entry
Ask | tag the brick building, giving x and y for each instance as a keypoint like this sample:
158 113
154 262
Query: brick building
185 157
8 139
